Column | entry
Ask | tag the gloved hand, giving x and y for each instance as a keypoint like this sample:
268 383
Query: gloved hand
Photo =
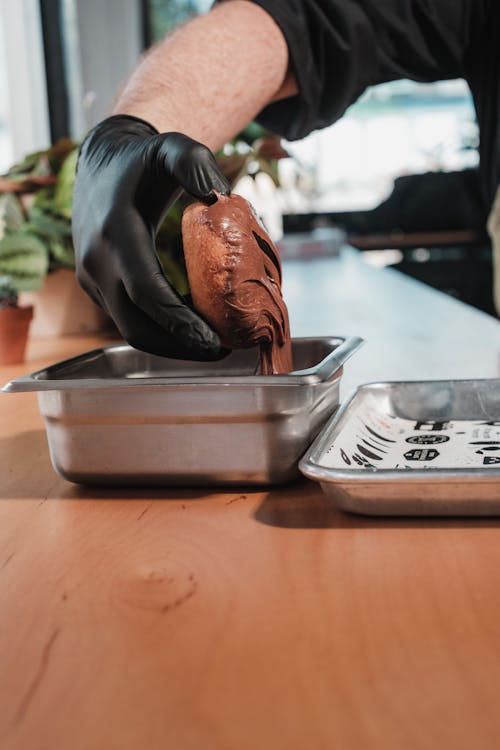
128 175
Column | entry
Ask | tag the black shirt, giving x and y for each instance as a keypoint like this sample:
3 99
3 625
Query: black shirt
338 48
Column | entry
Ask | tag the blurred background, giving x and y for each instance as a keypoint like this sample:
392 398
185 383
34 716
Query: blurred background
396 176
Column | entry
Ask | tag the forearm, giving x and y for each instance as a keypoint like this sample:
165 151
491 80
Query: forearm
212 76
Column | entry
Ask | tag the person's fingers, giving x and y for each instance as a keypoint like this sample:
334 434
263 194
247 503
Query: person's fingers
193 166
143 333
148 290
90 288
120 196
208 180
178 322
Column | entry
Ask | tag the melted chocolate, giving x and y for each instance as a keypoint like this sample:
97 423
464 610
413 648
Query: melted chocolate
234 272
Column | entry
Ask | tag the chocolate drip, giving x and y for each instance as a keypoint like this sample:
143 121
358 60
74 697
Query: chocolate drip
234 272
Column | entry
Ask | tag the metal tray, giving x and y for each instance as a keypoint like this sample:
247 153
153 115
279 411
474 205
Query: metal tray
119 416
414 448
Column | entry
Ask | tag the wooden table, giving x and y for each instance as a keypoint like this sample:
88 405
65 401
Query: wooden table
242 619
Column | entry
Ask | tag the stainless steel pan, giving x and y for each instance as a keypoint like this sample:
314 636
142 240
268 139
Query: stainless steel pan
119 416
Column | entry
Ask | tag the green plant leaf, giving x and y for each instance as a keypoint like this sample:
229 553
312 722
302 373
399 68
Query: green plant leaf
33 165
269 167
47 224
62 253
11 214
58 152
44 198
63 194
24 258
174 272
42 163
24 168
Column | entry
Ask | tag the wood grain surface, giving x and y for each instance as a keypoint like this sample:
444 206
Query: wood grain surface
246 619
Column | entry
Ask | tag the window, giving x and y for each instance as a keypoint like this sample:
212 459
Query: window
162 16
394 129
397 128
6 151
23 97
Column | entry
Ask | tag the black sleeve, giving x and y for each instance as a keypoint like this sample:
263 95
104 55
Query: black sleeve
340 47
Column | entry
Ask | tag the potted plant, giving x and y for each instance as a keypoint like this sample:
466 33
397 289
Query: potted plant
35 208
14 324
23 265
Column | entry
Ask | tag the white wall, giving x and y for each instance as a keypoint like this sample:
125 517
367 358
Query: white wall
24 72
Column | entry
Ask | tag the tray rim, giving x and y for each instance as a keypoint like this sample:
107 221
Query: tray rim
312 469
323 372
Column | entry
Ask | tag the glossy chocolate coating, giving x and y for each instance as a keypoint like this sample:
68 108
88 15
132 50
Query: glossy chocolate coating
234 273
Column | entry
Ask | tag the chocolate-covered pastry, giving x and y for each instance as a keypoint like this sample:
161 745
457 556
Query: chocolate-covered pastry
234 272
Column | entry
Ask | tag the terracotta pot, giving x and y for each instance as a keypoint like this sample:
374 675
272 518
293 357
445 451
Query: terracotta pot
62 307
14 327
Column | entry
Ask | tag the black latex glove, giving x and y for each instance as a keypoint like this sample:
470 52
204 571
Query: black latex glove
128 175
